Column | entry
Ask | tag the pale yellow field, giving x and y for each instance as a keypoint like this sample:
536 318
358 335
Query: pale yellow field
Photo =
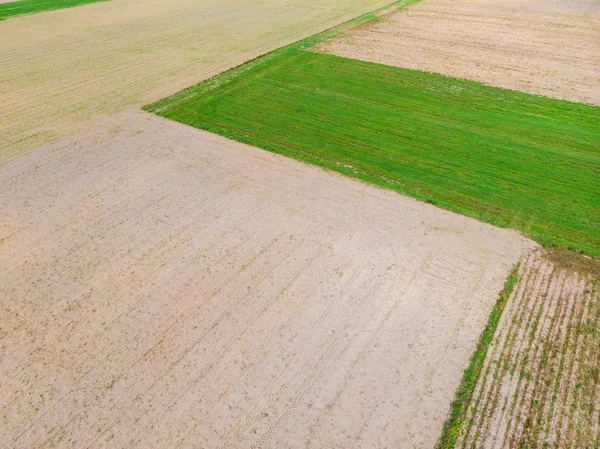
61 68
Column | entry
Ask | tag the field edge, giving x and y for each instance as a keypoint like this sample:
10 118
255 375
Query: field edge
547 240
459 406
541 236
19 8
235 72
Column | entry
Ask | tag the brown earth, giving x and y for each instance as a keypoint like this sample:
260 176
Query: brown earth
60 69
547 47
166 287
541 381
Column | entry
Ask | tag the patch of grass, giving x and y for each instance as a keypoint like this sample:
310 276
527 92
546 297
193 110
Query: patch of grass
459 407
505 157
20 7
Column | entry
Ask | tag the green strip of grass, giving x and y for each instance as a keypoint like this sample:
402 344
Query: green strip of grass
464 394
32 6
505 157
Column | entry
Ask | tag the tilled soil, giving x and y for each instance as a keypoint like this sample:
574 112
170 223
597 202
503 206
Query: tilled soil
541 384
61 69
547 47
165 287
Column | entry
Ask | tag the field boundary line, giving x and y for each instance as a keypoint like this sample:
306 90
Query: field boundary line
20 8
459 407
237 71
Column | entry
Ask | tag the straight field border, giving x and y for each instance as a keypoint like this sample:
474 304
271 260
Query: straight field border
241 69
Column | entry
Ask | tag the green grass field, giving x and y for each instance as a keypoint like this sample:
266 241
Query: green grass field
32 6
504 157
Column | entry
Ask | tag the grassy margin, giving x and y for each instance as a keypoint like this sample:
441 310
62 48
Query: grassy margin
235 72
27 7
464 393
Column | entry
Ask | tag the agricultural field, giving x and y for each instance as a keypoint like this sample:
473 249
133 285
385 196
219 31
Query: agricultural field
536 46
505 157
540 385
61 69
167 287
413 262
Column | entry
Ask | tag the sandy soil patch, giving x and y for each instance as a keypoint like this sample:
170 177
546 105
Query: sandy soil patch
61 68
165 287
541 384
538 46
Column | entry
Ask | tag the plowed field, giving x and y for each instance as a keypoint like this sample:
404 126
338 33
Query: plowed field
166 287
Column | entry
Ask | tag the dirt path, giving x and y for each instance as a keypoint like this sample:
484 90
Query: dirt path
165 287
541 386
544 47
60 69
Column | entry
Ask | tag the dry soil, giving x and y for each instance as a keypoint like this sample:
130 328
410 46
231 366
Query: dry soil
59 69
165 287
547 47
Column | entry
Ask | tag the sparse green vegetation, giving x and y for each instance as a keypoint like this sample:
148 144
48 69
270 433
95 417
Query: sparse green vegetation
20 7
458 409
505 157
552 393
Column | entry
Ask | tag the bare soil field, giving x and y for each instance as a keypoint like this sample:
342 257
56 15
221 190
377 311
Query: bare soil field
166 287
60 69
541 381
545 47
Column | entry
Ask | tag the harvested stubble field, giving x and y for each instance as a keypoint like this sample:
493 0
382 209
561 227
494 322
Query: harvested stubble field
60 69
547 47
505 157
166 287
540 386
